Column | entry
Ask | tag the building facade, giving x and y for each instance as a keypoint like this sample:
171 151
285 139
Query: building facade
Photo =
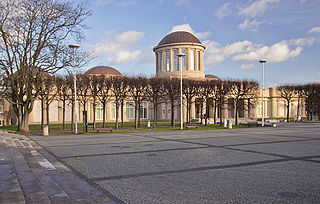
169 65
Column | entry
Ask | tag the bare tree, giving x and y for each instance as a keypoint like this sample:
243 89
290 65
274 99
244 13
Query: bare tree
94 85
154 93
136 90
207 92
47 93
190 90
287 92
240 91
33 37
119 86
103 87
63 94
312 92
222 91
172 92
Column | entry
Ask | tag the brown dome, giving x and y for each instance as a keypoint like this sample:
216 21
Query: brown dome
179 37
212 77
105 70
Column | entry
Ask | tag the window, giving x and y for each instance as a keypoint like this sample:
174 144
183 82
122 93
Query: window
199 57
129 110
113 110
99 111
184 60
191 55
143 110
175 60
1 106
260 108
168 60
161 61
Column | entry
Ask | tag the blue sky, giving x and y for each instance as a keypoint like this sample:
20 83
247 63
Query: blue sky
237 34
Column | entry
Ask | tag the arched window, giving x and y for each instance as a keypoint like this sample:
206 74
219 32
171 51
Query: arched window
175 60
161 61
184 60
168 60
191 55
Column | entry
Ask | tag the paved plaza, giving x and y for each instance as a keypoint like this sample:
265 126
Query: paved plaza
252 165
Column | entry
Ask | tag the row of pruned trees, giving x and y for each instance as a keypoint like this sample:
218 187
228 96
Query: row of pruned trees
100 88
310 93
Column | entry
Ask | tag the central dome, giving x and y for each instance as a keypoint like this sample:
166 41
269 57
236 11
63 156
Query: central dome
103 70
179 37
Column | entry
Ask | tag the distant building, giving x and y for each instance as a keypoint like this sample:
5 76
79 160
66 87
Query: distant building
168 64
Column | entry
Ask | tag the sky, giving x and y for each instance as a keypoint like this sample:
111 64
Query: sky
236 33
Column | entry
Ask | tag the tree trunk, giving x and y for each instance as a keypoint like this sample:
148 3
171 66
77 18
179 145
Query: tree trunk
298 108
201 112
136 111
47 112
155 112
42 114
214 112
122 116
207 112
288 110
236 115
172 113
117 116
104 113
72 117
139 114
63 114
94 113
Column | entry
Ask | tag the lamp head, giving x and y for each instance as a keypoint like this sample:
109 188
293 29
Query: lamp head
74 46
262 61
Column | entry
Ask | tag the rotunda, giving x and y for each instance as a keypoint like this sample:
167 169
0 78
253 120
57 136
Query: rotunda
168 64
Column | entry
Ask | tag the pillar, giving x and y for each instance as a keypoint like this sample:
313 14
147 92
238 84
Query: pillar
225 110
196 63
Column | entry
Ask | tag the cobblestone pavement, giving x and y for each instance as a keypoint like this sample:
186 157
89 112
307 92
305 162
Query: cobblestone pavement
28 174
253 165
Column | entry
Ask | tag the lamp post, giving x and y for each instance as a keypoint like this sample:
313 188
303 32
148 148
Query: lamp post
74 47
262 62
180 55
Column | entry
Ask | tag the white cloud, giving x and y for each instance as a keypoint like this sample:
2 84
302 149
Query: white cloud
123 57
223 11
256 8
122 3
147 59
187 27
250 25
118 48
314 30
215 53
318 73
247 52
247 66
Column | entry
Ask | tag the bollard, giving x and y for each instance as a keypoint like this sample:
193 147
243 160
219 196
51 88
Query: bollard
148 123
225 123
45 130
229 124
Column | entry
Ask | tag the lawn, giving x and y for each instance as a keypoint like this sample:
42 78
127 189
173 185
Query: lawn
128 127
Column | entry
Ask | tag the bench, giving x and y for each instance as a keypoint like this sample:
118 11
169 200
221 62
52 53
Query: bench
191 126
105 128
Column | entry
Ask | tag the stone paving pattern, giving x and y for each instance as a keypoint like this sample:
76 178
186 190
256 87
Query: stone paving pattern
28 174
253 165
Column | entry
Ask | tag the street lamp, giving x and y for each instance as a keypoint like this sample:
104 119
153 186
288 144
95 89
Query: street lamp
262 62
181 111
74 47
